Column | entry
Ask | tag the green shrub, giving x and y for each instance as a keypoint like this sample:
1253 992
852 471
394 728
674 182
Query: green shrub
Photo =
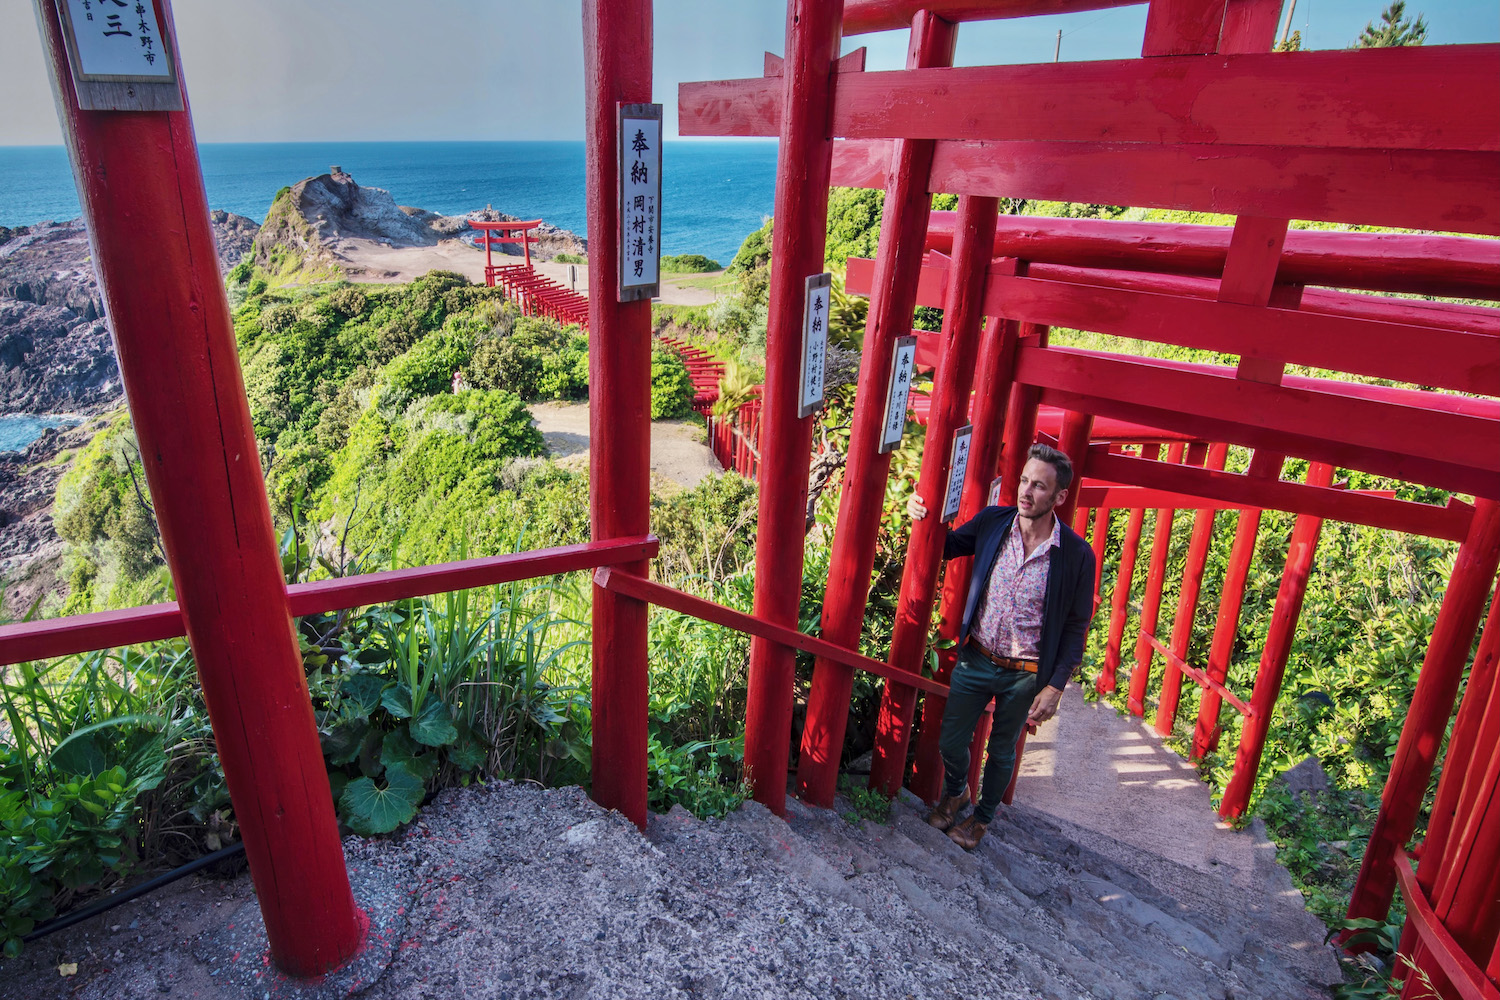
570 258
428 368
538 360
687 263
347 300
671 386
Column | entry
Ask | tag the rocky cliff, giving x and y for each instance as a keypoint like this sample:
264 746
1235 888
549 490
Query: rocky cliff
311 224
56 357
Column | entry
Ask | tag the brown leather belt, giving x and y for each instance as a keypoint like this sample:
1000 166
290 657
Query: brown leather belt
1004 662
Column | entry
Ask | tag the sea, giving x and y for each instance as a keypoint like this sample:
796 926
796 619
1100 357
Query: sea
713 193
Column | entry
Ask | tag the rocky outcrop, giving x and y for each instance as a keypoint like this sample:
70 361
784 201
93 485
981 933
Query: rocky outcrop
56 357
311 222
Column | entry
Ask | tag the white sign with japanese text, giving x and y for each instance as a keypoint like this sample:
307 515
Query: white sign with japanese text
814 343
903 367
957 468
640 201
116 39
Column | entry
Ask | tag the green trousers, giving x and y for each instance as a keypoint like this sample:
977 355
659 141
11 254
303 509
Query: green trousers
975 681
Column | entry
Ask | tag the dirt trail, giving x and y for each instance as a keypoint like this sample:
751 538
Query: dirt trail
678 453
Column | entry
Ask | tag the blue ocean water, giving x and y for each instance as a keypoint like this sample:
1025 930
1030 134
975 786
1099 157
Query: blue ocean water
713 193
16 432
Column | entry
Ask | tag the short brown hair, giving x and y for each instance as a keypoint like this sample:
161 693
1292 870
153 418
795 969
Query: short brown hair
1056 459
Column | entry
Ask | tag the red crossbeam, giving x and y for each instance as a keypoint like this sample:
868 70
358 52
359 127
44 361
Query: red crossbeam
1461 970
1418 263
1447 316
861 16
668 597
1446 359
1256 493
41 640
1430 438
1200 677
1349 99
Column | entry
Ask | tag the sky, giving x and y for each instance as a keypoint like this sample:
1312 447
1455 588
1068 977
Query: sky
373 70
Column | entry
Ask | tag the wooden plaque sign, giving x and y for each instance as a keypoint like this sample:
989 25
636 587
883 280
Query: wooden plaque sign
640 201
120 55
814 343
958 466
903 366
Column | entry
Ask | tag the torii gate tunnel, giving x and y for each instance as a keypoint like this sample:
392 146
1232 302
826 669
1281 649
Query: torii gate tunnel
1208 119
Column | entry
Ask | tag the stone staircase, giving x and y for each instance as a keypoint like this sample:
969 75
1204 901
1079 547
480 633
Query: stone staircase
1108 878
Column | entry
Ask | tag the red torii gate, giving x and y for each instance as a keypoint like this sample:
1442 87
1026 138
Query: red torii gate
1377 137
1207 120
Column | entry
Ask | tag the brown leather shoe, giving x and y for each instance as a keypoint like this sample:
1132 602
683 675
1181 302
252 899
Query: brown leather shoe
968 834
947 810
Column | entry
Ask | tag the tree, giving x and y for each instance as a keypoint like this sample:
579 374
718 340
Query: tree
1292 44
1395 29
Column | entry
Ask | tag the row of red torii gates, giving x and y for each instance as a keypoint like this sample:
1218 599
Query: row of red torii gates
1207 120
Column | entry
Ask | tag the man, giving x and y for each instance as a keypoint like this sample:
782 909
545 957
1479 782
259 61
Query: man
1030 599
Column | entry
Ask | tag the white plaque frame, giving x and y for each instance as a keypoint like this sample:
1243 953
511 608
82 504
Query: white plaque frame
958 467
814 373
97 89
631 289
903 359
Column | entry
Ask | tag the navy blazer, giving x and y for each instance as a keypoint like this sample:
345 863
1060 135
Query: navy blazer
1070 589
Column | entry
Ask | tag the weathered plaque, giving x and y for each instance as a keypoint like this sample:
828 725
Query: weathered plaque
120 55
814 343
903 366
994 497
640 201
958 465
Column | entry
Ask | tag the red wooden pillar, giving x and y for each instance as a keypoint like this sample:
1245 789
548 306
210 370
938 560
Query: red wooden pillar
617 70
1283 629
898 265
141 188
1475 734
1474 742
1156 576
1099 539
1187 604
1431 704
1119 602
1466 895
973 237
813 32
1073 441
991 398
1020 424
1231 601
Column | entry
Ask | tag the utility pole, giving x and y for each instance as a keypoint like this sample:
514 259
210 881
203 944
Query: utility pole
1286 32
1057 52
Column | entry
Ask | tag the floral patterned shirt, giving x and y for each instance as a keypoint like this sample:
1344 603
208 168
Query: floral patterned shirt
1009 621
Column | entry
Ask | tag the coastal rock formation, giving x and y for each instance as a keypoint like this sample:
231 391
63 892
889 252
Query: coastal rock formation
312 225
56 357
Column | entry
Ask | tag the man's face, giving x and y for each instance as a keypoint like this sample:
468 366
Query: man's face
1038 493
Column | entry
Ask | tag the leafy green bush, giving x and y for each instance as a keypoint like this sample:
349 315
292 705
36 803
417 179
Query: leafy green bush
671 386
687 263
570 258
538 360
67 837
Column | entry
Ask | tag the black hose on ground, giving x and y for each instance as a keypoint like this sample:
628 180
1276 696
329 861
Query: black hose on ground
110 902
